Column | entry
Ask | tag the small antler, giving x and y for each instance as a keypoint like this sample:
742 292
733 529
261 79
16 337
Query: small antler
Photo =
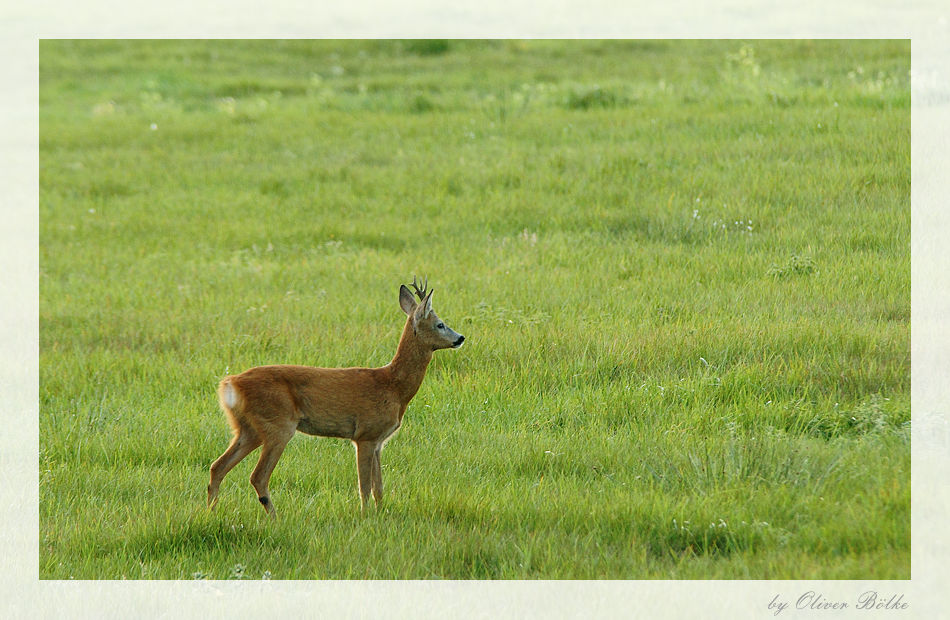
421 292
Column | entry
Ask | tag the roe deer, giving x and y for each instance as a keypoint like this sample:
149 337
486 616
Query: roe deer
266 405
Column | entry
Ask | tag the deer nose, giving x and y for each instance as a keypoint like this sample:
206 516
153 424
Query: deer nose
458 342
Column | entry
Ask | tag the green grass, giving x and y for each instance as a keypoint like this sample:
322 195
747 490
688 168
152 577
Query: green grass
682 270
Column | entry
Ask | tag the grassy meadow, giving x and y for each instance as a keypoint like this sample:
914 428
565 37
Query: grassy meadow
682 269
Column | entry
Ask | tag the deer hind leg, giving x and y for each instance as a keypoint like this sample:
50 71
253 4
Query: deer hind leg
244 442
366 463
273 447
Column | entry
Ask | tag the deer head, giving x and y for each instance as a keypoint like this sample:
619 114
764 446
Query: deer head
430 330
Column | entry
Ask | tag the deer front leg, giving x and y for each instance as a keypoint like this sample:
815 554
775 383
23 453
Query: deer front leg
377 475
365 455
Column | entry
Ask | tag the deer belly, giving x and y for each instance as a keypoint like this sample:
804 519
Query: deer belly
327 427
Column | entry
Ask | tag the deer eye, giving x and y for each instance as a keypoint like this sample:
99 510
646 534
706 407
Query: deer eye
440 326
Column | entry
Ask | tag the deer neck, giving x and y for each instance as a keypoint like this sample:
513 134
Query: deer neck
409 364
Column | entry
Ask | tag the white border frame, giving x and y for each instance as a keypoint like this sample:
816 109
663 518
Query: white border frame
925 22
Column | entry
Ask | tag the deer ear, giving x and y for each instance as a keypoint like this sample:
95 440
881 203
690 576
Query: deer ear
425 306
406 301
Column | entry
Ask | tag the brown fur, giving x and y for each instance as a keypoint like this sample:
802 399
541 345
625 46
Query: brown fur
266 405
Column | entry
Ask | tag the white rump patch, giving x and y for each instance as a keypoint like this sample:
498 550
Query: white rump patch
230 395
